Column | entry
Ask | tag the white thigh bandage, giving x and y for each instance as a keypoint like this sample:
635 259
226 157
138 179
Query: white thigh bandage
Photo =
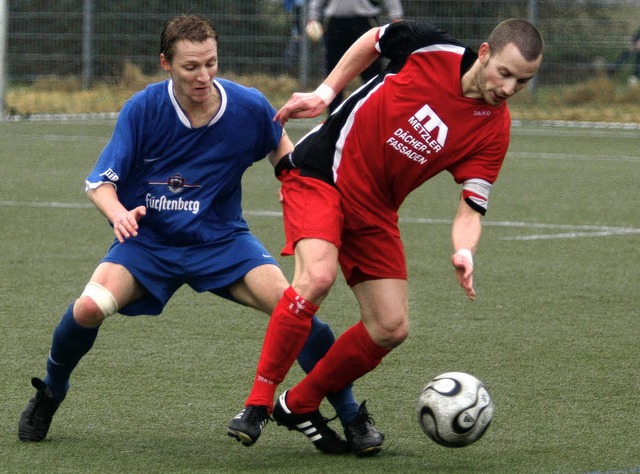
102 297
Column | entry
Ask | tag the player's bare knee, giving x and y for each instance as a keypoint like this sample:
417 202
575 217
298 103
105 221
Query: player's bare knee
86 312
397 337
94 305
392 333
317 283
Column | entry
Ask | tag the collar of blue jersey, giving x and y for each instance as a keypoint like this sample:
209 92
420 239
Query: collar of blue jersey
180 112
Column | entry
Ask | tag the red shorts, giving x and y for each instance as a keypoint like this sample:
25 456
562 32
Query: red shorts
315 209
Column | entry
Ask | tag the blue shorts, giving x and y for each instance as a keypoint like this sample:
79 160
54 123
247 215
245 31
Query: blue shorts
162 269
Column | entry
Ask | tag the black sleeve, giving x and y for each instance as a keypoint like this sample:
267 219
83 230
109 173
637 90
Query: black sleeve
401 38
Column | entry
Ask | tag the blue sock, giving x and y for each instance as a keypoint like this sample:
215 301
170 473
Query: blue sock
70 343
318 343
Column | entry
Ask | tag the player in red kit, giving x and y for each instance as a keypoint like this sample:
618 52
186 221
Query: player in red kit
438 106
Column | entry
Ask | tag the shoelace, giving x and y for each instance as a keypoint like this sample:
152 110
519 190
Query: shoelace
257 415
324 427
329 420
362 424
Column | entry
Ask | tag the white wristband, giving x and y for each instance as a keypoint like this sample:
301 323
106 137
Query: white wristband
326 93
466 253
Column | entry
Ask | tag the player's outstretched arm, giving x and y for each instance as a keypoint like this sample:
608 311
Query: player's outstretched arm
358 57
125 222
301 105
465 236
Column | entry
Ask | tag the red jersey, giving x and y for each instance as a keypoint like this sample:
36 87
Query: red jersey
407 125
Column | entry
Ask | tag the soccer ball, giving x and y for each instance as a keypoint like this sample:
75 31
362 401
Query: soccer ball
455 409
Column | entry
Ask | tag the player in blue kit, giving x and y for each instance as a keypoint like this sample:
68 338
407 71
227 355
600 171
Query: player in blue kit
169 182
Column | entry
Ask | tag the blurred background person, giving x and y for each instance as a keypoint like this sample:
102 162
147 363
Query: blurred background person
631 53
341 23
296 10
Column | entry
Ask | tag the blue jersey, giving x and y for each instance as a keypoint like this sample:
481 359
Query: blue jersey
188 178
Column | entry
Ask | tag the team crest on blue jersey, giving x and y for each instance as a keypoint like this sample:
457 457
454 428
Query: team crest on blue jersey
176 183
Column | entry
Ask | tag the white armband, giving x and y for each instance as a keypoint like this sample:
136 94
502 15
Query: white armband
326 93
476 194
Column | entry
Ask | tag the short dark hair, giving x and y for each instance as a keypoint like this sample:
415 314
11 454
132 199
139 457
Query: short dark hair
188 27
520 32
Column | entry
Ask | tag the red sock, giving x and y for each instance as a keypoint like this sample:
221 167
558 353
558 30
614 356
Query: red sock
352 355
287 331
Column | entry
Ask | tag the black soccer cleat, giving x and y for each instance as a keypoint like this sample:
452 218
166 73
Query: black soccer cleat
313 425
247 425
35 419
363 438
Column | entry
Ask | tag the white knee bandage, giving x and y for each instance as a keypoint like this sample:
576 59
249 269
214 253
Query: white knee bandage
102 297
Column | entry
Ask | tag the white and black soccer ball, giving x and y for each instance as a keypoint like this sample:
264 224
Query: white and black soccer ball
455 409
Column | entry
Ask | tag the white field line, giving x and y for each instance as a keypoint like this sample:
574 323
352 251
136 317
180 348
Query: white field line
569 231
51 204
555 231
574 157
99 116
